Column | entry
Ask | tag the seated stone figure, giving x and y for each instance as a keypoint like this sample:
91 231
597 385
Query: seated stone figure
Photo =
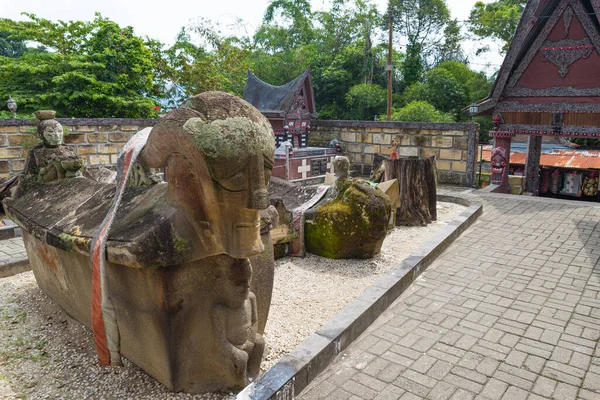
351 222
52 160
235 323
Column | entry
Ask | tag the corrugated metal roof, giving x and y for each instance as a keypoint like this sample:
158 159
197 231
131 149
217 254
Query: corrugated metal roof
572 158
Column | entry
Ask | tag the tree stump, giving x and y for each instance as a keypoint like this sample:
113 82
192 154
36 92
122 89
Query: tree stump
417 183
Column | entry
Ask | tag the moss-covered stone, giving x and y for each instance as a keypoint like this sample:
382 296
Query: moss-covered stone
352 225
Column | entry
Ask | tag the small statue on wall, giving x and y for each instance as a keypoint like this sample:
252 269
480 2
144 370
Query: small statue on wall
52 160
498 165
498 120
235 321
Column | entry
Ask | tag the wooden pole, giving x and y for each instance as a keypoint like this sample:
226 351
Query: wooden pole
389 68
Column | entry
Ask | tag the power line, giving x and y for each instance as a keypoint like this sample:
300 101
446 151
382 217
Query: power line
468 21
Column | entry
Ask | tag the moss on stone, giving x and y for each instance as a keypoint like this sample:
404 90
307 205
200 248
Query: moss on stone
231 137
352 226
179 244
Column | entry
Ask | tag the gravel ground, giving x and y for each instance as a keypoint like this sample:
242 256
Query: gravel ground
44 354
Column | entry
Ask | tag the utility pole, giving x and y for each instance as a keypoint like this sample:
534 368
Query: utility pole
389 67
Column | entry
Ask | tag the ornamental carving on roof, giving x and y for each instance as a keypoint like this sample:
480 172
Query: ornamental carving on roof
565 53
567 18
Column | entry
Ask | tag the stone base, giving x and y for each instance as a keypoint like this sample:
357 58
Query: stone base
164 314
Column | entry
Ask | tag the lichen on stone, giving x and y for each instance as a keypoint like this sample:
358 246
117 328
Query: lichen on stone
231 137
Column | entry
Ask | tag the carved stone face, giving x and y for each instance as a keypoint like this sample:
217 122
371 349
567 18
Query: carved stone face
219 151
239 154
52 133
235 287
498 164
341 166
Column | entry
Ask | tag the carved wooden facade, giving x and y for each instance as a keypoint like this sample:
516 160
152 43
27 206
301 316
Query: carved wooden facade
289 107
549 83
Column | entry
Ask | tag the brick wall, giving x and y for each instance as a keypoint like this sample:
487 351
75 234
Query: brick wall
453 145
98 141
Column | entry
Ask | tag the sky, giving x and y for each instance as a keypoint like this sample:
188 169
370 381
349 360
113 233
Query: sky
162 20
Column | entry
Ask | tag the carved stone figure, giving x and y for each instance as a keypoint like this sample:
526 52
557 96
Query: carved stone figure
179 254
52 160
235 323
498 165
341 167
351 222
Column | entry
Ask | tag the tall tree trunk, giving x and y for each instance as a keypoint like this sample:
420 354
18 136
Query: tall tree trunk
417 184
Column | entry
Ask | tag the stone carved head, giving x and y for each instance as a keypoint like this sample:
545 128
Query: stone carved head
49 129
235 282
341 167
221 175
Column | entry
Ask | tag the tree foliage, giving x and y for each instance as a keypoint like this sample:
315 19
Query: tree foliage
420 111
497 20
99 69
94 69
367 98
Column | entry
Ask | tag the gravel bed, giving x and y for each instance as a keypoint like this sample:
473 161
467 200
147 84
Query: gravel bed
309 291
44 354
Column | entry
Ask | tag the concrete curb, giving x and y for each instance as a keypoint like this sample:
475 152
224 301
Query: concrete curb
294 372
14 267
10 230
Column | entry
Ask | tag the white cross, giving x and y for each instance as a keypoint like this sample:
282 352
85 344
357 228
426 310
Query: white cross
304 169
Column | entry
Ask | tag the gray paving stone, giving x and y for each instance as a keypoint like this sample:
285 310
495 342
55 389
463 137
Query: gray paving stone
494 389
515 317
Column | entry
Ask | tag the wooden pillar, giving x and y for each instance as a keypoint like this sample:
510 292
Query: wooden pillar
532 165
471 154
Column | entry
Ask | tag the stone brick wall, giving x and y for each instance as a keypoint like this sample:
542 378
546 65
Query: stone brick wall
453 145
98 141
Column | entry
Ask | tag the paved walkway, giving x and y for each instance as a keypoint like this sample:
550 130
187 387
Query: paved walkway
12 250
510 311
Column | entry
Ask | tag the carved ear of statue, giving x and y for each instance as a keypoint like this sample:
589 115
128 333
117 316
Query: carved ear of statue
189 182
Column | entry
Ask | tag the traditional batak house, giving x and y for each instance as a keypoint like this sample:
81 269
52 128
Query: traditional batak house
290 109
549 84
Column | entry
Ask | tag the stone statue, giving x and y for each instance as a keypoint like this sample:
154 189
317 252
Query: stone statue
180 255
341 168
235 321
351 222
52 160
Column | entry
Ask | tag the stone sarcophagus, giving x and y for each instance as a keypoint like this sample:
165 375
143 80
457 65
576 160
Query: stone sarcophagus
181 283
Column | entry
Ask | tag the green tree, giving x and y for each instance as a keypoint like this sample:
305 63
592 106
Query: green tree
286 25
369 99
497 20
451 49
10 47
441 89
478 86
201 60
413 66
422 24
421 21
420 111
94 69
